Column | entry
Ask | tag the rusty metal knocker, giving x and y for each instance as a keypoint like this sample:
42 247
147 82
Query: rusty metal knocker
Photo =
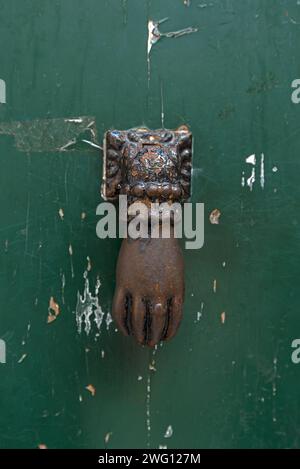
148 166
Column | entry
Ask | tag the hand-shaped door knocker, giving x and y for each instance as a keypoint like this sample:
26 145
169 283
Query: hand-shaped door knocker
148 166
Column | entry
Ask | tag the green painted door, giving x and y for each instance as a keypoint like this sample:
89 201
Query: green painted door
70 70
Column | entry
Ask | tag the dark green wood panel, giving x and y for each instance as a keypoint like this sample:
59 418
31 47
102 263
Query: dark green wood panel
219 383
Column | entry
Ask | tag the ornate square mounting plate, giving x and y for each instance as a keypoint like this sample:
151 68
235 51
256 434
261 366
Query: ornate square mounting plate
147 164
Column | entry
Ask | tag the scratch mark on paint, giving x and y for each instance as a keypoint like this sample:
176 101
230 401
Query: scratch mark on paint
22 358
251 179
66 184
274 387
89 264
205 5
262 170
2 92
243 179
52 135
162 114
124 7
200 313
148 395
27 222
215 285
148 409
63 284
76 120
92 144
223 317
71 260
108 320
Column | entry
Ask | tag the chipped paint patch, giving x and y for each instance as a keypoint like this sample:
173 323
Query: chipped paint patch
152 366
223 317
215 216
42 446
250 181
53 310
88 306
169 432
107 437
61 213
91 389
154 35
251 159
108 320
